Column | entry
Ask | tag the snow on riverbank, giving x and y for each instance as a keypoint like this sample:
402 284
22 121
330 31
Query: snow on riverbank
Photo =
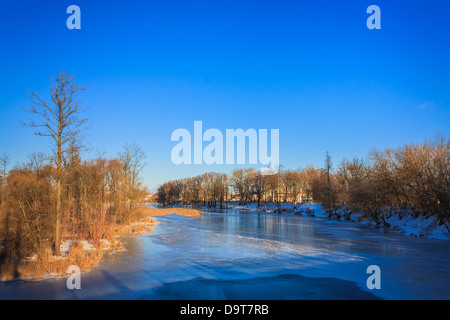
85 254
403 222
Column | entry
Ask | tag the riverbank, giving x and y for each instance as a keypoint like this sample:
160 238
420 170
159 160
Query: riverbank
84 253
402 222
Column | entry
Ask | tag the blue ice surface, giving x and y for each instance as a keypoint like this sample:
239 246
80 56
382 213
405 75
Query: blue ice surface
240 255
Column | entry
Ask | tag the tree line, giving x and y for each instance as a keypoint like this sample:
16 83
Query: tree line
59 195
411 178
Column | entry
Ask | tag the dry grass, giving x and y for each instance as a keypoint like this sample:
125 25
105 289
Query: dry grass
47 265
164 211
144 226
105 240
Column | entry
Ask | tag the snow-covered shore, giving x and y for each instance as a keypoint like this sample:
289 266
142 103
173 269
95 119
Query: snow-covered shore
86 254
401 222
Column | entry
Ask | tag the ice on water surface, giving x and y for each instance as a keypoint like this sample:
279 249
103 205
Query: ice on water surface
235 255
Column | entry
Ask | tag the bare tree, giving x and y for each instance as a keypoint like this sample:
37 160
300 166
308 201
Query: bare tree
329 194
59 119
238 183
132 159
36 162
4 162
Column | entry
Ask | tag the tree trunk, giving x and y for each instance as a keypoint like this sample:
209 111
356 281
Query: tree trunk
58 218
58 193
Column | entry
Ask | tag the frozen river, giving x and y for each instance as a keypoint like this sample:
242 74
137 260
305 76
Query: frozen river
237 255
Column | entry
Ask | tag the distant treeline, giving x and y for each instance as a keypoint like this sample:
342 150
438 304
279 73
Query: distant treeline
414 177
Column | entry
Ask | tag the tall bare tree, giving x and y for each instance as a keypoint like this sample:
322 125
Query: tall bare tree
59 119
132 159
4 162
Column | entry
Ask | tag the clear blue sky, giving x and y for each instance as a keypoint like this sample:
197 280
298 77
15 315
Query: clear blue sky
309 68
